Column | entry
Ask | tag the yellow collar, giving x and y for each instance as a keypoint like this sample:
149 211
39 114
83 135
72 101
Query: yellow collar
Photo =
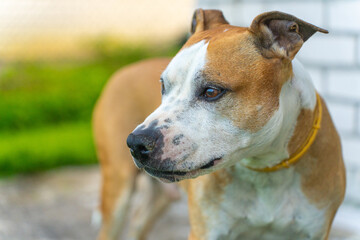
301 151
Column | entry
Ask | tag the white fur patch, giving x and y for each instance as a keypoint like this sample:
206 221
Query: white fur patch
302 82
178 78
261 206
183 69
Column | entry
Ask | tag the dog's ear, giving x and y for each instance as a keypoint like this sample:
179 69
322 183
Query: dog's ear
281 35
206 19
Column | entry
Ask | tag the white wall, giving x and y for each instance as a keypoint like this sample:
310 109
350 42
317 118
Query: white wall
333 60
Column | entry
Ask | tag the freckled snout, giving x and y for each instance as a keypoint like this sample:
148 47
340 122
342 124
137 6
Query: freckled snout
142 144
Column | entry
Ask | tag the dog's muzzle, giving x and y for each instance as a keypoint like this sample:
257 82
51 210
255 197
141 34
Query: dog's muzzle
141 146
146 147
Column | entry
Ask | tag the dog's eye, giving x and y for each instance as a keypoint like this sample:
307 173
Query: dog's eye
212 93
162 87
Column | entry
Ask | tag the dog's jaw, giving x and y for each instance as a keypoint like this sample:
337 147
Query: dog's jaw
176 176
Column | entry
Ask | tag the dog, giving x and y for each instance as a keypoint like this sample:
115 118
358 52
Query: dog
239 124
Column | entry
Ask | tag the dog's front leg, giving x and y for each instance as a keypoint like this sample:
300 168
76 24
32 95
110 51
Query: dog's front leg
193 237
155 197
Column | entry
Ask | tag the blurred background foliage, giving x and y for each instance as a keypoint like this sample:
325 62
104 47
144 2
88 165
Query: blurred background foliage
46 106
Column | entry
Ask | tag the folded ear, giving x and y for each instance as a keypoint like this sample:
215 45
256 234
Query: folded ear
281 35
206 19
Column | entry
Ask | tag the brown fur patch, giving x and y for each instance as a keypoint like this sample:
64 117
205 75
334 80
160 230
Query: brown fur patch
302 130
197 223
206 19
321 169
217 181
235 62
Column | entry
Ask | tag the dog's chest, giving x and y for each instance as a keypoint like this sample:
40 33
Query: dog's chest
261 206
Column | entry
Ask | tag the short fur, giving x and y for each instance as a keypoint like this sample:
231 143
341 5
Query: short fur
265 116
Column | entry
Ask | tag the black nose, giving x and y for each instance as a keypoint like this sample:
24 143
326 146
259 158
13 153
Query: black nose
141 146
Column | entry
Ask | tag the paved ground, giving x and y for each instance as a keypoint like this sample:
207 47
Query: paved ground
58 205
53 205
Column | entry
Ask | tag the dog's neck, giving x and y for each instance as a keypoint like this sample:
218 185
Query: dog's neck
293 121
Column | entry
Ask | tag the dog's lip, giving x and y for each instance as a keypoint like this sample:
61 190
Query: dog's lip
160 172
171 175
211 163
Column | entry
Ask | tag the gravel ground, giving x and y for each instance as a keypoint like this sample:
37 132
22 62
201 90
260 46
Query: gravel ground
58 205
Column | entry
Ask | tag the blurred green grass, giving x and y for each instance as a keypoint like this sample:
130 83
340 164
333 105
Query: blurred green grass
46 147
46 106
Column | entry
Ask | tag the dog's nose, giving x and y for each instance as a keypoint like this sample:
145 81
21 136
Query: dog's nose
141 146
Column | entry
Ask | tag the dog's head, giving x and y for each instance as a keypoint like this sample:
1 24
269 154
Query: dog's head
221 96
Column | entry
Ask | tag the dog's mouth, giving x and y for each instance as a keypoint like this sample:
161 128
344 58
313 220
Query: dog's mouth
175 176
